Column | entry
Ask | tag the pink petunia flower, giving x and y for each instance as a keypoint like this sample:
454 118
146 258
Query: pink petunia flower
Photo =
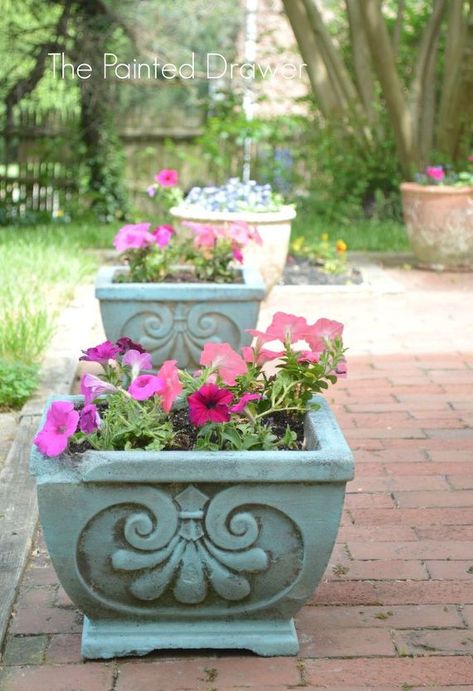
145 386
259 355
61 423
341 369
151 191
172 386
204 236
209 404
167 177
243 402
91 387
133 237
284 327
89 419
137 361
101 353
323 330
163 235
225 360
243 233
309 356
437 173
124 343
237 254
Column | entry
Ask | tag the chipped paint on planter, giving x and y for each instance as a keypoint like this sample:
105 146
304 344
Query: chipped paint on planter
194 549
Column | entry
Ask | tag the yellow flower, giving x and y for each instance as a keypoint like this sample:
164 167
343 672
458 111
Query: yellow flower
59 213
341 246
324 237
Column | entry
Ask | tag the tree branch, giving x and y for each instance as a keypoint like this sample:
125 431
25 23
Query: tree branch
361 58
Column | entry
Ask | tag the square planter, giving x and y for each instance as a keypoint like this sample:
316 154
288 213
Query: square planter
174 320
194 549
274 228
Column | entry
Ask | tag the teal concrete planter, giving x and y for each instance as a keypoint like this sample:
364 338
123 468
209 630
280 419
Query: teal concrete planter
174 320
194 549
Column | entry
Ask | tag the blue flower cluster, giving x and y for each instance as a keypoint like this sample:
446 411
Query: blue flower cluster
234 195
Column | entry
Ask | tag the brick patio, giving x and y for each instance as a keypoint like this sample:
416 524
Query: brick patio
395 608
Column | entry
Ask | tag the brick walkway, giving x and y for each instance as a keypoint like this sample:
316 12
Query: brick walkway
395 608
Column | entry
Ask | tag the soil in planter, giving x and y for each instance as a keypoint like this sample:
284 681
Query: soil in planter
186 433
299 271
182 276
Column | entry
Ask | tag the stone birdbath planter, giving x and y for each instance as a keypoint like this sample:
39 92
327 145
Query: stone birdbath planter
174 320
184 550
439 220
274 228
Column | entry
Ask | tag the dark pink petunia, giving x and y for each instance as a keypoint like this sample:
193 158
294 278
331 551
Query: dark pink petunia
133 236
163 235
167 177
61 423
101 353
124 343
209 404
437 173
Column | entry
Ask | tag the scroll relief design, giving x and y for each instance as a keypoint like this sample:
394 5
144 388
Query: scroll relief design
190 562
180 330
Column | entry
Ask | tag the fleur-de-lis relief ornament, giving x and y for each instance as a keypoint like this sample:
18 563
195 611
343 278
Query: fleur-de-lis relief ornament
190 562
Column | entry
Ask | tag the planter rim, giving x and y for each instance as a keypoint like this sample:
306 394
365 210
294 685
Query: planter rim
435 189
328 459
253 288
286 213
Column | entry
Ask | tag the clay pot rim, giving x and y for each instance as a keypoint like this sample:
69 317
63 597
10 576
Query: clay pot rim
435 189
285 213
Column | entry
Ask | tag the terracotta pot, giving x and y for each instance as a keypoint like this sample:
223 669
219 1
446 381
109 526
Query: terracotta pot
439 223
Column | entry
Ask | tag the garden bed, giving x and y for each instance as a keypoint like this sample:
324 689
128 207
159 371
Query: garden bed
300 271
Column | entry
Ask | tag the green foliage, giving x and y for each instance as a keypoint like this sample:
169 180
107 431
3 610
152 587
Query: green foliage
127 424
18 380
243 436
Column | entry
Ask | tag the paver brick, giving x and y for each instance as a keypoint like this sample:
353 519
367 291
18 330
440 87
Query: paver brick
435 498
90 677
392 617
376 570
365 642
440 642
421 671
412 517
24 650
450 570
392 593
425 549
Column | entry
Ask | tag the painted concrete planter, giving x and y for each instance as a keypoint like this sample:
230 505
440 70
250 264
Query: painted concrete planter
174 320
439 223
195 549
274 228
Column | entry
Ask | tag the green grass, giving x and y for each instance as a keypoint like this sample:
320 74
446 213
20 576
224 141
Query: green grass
368 235
39 270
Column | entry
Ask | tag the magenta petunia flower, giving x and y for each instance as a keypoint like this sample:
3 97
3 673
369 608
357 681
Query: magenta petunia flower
137 361
124 343
145 386
91 387
237 254
61 423
243 402
89 419
163 235
172 386
209 404
225 360
323 330
133 237
101 353
284 327
167 177
437 173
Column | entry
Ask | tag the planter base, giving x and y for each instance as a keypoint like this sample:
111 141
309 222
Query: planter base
106 639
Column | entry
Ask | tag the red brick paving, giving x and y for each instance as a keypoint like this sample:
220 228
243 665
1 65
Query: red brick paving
395 608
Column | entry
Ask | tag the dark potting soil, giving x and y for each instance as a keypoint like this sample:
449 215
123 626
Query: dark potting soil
183 277
186 433
299 271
